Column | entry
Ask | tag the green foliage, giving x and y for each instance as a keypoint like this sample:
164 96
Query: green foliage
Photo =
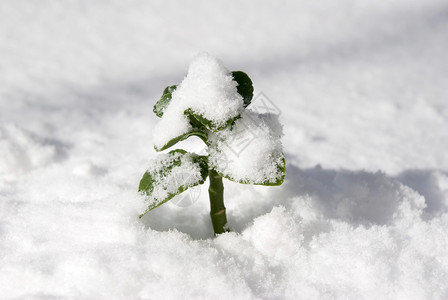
163 102
208 124
164 176
157 184
196 132
244 87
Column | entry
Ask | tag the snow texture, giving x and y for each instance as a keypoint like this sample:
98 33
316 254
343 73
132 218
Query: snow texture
249 151
359 86
169 172
209 90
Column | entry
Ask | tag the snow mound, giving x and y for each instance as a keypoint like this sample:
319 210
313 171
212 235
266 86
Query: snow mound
209 91
22 150
296 251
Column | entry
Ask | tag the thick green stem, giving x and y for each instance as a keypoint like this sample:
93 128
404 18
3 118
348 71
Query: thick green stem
217 208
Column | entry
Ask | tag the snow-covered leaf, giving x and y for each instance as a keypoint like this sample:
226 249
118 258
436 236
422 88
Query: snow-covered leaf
194 132
250 150
197 129
244 88
208 93
210 124
278 179
171 174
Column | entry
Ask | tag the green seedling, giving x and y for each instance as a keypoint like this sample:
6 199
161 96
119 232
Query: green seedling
174 172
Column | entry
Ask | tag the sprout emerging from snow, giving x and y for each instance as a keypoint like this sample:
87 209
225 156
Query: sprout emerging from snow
211 103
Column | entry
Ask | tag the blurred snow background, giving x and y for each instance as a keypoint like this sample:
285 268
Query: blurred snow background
361 87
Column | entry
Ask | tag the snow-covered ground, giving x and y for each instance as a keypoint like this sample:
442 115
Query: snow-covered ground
361 88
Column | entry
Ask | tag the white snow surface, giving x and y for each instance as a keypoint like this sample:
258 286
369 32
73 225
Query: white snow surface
209 90
360 88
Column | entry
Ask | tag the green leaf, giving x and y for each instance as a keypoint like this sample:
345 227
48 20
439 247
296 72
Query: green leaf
170 175
240 146
198 130
245 87
163 102
210 125
282 173
195 132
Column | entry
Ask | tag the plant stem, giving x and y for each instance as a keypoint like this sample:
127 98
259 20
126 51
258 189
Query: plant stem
217 208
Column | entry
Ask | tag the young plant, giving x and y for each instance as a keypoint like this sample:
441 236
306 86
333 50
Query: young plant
242 145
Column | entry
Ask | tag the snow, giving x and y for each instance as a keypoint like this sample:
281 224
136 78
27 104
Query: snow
360 88
170 172
209 91
249 151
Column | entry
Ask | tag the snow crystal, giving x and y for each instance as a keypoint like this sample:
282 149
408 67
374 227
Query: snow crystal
208 90
250 150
